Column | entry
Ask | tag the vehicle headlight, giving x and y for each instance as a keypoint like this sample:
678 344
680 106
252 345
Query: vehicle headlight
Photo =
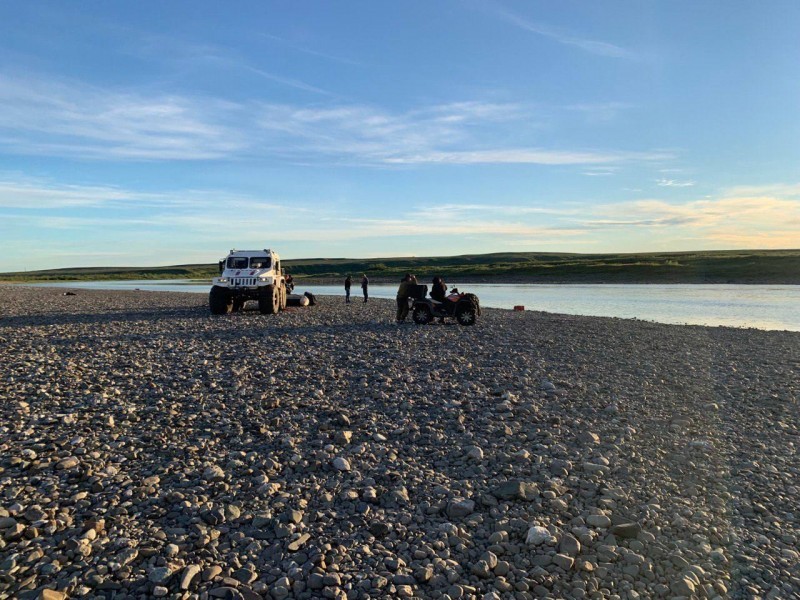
222 280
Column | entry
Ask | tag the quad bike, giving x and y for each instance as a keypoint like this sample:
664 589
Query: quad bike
464 308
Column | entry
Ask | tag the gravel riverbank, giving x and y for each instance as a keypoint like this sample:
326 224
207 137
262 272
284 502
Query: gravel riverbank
148 449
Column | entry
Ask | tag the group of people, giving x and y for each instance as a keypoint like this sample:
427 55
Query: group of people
438 292
364 287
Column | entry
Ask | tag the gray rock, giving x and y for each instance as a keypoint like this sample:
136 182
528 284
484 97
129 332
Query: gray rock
188 575
626 530
160 574
563 561
68 463
516 490
569 545
537 536
598 521
460 507
214 473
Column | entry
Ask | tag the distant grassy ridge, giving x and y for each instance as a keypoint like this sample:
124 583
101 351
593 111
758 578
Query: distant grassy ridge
728 266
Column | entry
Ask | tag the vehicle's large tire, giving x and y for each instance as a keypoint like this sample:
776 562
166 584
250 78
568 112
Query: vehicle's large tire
269 302
422 314
466 314
283 298
220 300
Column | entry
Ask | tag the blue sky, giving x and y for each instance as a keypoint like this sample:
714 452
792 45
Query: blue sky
154 133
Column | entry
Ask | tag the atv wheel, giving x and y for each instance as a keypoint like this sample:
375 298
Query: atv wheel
220 300
269 301
466 315
422 314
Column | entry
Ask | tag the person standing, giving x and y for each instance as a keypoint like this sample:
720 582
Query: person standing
348 280
402 298
365 286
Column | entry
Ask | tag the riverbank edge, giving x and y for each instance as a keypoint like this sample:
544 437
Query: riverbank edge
512 280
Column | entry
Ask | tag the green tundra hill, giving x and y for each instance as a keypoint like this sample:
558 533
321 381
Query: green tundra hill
724 266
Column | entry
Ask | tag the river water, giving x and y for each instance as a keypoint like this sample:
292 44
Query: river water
759 306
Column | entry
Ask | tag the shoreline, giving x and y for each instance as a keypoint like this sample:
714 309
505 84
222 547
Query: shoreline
514 280
151 449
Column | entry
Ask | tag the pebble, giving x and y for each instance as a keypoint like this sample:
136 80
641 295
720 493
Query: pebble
341 464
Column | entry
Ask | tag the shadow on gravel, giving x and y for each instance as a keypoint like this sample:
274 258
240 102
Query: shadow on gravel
201 312
153 314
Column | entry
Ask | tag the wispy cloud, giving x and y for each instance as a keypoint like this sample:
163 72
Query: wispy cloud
791 190
601 112
434 135
73 119
285 81
19 192
565 37
366 134
743 221
674 183
185 55
532 156
28 193
604 171
189 223
478 211
311 52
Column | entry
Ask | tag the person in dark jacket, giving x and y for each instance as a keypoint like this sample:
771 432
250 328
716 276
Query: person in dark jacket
439 290
365 286
402 297
348 280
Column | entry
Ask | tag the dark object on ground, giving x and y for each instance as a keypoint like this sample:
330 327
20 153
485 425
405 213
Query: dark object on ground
312 299
465 308
69 294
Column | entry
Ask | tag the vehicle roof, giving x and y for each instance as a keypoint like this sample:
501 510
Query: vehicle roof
265 252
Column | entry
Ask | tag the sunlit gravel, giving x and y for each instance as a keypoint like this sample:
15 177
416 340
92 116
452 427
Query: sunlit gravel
148 449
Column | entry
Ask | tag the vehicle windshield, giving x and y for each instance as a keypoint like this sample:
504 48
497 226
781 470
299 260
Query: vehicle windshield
237 262
259 262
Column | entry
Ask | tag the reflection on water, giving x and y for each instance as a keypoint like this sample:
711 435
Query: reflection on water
759 306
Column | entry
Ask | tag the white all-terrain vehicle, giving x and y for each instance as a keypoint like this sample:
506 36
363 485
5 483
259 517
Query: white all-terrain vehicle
249 275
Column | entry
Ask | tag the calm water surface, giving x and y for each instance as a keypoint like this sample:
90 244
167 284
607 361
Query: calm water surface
759 306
